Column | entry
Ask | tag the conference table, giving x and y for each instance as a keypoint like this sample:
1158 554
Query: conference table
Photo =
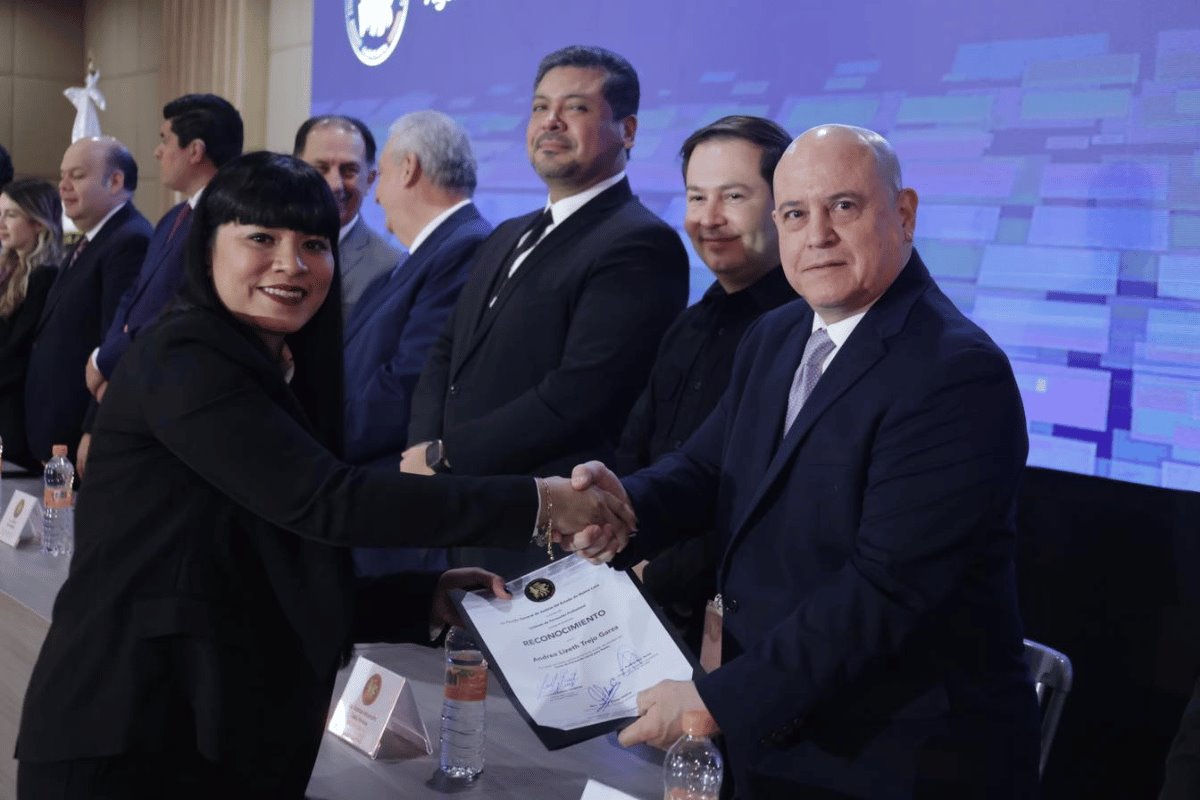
517 765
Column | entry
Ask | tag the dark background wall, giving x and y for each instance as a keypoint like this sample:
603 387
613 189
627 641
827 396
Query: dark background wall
1110 575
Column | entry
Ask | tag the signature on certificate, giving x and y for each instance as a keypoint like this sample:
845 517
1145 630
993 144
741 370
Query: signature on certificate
630 661
603 696
561 682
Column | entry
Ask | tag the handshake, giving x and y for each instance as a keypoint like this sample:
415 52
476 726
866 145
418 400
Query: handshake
589 513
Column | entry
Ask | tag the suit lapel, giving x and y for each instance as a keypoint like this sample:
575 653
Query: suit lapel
546 250
412 267
772 395
88 257
865 347
161 250
350 250
504 247
57 288
367 305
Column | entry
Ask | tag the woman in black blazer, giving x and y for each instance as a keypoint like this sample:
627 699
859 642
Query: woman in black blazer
211 601
30 249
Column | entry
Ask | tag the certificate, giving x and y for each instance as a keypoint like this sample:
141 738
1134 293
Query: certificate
573 647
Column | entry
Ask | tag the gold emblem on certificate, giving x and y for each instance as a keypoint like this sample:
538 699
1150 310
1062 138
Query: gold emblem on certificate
539 590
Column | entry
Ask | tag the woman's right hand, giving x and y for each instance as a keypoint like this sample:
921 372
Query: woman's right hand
590 521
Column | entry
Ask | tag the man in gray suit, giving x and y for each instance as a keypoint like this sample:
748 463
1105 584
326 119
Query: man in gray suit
342 149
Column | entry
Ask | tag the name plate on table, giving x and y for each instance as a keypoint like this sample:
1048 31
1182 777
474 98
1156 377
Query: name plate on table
595 790
376 706
22 519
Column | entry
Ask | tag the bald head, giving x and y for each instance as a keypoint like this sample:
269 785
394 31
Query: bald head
97 175
845 224
886 162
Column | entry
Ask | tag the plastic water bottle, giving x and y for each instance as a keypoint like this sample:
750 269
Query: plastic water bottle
58 513
692 768
463 712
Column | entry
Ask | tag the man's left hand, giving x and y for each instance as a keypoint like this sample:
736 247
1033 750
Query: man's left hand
660 712
443 611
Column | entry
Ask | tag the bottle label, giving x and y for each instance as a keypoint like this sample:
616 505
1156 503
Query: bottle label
685 794
57 497
466 683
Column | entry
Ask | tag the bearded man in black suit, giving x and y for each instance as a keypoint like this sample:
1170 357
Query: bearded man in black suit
556 329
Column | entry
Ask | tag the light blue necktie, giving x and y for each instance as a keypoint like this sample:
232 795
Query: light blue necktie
819 346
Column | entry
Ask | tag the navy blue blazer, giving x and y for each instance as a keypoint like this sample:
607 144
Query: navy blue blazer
872 643
390 331
78 311
157 282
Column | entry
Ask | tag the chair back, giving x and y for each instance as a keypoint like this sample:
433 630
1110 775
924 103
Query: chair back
1052 676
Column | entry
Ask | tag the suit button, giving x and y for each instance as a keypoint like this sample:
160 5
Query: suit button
697 386
678 443
731 605
453 390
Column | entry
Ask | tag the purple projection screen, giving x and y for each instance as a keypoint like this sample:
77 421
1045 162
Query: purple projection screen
1055 147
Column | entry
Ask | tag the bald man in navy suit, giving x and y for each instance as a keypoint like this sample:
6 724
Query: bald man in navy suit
98 178
860 475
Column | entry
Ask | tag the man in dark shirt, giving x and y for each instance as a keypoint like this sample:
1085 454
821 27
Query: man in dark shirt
727 169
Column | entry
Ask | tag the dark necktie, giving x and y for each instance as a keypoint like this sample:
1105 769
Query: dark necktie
182 216
79 248
532 235
819 346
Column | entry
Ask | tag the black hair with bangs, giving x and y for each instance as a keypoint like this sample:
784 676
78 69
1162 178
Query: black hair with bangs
277 191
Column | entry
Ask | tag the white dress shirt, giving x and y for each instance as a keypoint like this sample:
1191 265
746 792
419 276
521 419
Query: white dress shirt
838 332
563 209
433 224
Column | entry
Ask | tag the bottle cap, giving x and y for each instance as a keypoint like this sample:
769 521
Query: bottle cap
59 450
699 723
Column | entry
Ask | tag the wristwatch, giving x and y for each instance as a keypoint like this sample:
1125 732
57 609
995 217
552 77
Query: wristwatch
435 456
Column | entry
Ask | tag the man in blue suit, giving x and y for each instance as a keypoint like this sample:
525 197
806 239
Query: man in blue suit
860 475
198 134
426 180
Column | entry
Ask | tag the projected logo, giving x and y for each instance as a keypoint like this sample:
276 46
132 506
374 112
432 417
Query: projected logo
374 27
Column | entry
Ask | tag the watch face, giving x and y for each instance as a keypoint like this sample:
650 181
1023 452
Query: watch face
433 455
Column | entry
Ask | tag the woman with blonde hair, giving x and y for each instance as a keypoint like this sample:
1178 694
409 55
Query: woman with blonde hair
31 242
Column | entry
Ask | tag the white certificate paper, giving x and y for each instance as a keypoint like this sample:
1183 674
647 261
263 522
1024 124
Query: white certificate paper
576 644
